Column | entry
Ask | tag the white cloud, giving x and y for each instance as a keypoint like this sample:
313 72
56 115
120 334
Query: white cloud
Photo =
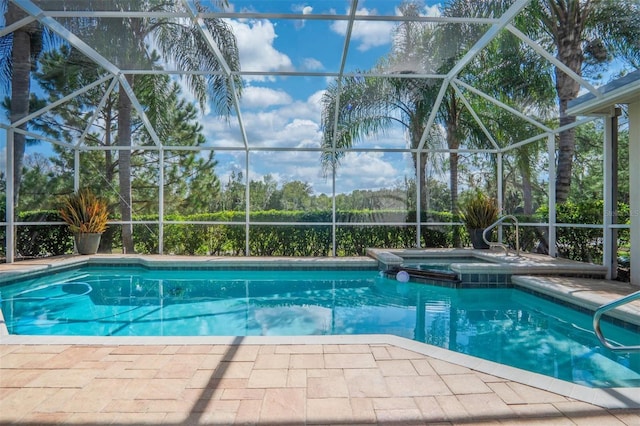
303 9
316 97
311 64
285 167
368 34
297 125
434 10
255 44
310 109
293 124
219 132
263 97
304 133
278 128
365 170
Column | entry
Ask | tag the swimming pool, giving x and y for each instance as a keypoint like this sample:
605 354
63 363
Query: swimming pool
505 325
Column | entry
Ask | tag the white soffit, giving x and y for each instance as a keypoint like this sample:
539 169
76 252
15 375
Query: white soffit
623 90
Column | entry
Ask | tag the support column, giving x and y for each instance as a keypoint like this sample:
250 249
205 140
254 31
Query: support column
419 200
10 207
334 228
551 149
161 201
610 194
499 181
247 205
634 190
76 169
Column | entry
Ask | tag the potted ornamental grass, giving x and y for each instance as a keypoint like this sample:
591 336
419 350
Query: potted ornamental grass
86 214
478 212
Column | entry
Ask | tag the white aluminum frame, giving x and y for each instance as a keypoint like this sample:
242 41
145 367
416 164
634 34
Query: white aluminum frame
497 25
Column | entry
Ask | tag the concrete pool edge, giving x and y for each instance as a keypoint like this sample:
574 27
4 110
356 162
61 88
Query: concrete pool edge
610 398
36 267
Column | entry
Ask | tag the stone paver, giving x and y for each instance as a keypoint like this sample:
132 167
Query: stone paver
269 384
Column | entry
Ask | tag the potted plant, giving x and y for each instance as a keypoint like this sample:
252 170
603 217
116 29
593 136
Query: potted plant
478 212
86 214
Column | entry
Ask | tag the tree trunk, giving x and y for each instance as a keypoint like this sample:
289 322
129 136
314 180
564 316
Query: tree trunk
453 182
106 242
20 88
421 176
569 44
108 155
424 190
453 142
527 194
124 166
566 151
415 133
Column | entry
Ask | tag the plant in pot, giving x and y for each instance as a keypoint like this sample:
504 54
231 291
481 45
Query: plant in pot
87 215
478 211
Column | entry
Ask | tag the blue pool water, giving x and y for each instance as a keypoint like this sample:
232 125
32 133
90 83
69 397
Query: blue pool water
438 264
503 325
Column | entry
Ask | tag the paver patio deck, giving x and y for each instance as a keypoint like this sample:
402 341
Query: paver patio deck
269 384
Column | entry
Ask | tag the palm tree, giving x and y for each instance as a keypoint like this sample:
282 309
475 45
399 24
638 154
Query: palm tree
371 104
125 42
581 33
452 112
19 52
518 77
367 106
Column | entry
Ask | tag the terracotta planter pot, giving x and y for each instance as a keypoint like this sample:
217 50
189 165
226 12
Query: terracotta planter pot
87 243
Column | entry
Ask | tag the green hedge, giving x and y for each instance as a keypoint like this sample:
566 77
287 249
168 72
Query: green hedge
312 233
41 240
272 239
582 244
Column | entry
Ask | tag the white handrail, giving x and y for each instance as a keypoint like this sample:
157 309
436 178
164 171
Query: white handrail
504 246
607 307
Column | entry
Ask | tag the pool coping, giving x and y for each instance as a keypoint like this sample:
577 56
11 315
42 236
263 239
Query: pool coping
586 295
604 397
29 269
